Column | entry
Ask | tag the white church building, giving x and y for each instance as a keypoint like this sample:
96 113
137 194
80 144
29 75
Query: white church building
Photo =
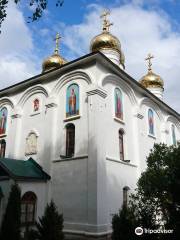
79 133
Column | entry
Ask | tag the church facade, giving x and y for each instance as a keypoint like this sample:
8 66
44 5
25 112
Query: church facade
79 133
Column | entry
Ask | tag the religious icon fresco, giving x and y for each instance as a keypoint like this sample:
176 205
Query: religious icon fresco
151 121
36 105
3 120
72 100
173 134
118 104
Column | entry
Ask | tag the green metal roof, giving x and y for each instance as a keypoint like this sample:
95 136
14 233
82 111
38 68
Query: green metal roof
23 169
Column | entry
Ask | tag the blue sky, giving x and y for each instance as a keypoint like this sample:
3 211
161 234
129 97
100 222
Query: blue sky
142 26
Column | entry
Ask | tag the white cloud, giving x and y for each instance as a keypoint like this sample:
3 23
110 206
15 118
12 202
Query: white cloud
140 32
16 48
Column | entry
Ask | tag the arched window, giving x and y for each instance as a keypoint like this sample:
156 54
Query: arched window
72 100
28 208
2 148
151 121
70 140
36 105
121 144
125 195
118 103
173 134
3 120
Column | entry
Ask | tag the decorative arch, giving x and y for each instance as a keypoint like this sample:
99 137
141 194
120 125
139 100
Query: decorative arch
31 91
72 100
69 77
174 120
147 102
28 208
112 78
6 102
3 120
118 103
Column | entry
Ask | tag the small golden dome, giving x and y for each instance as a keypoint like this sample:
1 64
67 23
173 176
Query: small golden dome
55 60
105 41
151 80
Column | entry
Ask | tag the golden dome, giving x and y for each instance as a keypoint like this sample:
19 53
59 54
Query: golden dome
55 60
151 80
105 40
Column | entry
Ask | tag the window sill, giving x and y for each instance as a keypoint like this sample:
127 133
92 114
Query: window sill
72 118
3 135
35 113
119 120
64 158
152 136
125 162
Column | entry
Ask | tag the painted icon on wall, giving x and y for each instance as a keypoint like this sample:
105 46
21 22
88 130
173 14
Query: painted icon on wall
118 103
72 100
36 105
3 120
31 144
173 134
151 121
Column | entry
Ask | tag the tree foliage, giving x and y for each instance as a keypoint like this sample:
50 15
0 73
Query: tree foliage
38 5
156 202
10 228
50 225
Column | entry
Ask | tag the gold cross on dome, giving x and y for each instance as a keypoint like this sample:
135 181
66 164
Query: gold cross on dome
106 23
149 57
57 39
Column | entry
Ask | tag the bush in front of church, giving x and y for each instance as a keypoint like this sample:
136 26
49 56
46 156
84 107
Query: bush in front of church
123 224
50 225
10 228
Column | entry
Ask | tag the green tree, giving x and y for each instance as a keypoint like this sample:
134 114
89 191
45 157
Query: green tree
156 201
50 225
39 7
10 228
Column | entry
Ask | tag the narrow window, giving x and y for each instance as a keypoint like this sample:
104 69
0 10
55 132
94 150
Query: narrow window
151 121
121 144
173 134
70 140
28 208
3 120
2 148
125 195
118 104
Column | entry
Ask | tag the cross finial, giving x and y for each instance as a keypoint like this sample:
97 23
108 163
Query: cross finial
58 37
149 57
106 23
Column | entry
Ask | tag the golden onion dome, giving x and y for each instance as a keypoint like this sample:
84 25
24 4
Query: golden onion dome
55 60
107 41
151 80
